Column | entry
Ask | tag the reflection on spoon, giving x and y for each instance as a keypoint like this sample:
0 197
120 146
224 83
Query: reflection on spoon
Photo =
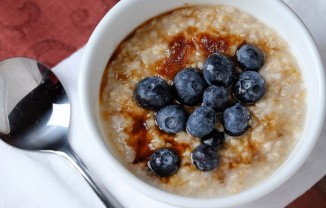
39 116
4 123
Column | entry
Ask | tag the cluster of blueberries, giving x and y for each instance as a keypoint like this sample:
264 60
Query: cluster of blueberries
219 90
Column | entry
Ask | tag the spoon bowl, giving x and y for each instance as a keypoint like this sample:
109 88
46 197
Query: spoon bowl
36 116
40 119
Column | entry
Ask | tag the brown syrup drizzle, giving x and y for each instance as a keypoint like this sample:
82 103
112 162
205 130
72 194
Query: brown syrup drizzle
212 44
139 138
180 50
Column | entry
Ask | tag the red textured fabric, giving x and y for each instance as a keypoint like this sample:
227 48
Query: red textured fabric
48 30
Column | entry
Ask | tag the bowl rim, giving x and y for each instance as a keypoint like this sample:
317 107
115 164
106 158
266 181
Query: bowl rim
134 182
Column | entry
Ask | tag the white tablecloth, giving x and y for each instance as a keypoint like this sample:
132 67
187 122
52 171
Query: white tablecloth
36 180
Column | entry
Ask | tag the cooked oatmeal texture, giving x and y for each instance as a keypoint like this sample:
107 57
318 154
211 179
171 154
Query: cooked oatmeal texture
186 37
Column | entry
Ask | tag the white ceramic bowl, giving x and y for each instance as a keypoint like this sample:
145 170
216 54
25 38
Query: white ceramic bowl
128 14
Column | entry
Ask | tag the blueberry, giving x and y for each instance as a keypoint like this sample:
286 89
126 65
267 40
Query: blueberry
189 86
218 70
214 139
164 162
249 87
201 121
250 57
215 97
171 119
153 93
204 157
236 120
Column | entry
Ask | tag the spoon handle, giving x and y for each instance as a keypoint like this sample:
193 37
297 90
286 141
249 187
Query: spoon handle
108 200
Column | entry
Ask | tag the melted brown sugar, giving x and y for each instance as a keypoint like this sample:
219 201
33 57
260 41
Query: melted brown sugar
180 49
139 139
184 46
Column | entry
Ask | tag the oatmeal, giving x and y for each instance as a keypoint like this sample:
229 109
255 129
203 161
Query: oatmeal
185 37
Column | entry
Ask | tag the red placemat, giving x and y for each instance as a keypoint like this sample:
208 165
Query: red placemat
48 30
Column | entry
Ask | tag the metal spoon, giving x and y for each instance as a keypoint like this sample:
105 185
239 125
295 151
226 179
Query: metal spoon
35 115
